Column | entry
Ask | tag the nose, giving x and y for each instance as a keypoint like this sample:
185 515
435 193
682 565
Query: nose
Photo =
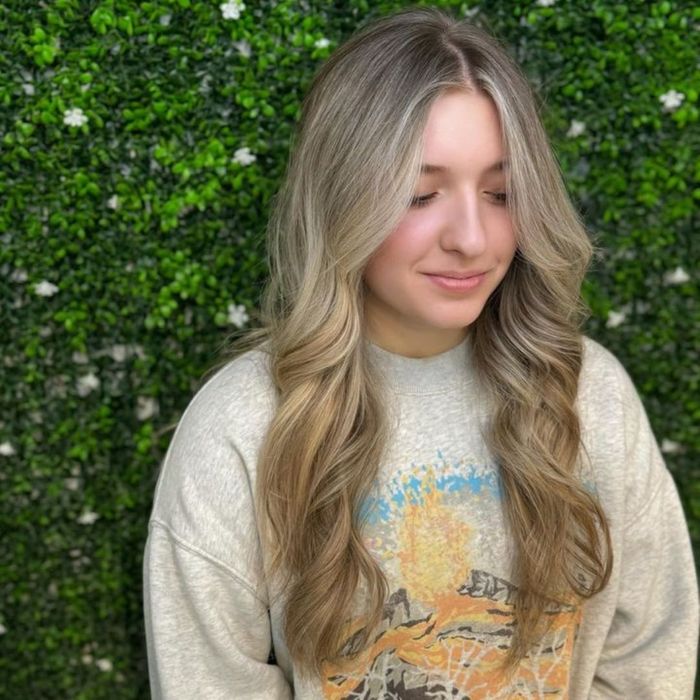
465 230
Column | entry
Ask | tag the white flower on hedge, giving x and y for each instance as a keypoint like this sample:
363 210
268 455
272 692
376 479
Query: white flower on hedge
80 358
104 664
671 447
237 315
576 129
74 117
3 629
19 275
88 518
72 484
671 100
146 407
232 9
243 47
118 352
87 383
321 43
6 449
615 318
545 3
86 658
244 156
165 20
45 288
678 276
113 202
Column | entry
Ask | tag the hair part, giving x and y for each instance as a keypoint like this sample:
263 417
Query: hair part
353 168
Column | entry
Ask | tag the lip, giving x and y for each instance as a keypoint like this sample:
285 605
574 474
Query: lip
457 284
457 275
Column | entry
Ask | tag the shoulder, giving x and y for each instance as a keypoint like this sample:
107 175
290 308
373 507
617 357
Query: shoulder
627 464
604 379
204 492
229 412
600 402
599 363
234 396
607 397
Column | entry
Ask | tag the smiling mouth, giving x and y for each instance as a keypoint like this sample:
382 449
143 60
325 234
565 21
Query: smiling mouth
457 284
456 275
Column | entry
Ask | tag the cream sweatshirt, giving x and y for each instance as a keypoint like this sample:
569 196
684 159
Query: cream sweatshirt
435 524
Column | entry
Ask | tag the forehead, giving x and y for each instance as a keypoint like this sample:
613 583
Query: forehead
463 135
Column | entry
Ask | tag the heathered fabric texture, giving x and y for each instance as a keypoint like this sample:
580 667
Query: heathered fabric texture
434 521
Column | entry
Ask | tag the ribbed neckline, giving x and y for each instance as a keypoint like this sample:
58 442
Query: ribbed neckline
423 375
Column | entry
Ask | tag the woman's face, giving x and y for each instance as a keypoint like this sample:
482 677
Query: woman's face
463 228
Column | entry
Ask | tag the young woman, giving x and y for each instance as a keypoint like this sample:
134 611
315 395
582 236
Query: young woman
417 478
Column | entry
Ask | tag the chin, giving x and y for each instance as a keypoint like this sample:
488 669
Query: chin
451 325
455 320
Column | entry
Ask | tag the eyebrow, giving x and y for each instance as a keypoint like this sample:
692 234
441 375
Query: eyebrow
430 168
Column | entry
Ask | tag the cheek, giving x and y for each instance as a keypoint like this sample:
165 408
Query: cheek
505 243
379 271
512 244
401 248
386 267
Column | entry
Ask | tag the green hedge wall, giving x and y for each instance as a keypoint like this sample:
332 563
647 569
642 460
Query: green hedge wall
140 143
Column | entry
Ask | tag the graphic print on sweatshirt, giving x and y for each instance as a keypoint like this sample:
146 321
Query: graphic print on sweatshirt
437 530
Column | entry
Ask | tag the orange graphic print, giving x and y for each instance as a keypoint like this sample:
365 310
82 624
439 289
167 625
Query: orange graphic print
432 541
447 625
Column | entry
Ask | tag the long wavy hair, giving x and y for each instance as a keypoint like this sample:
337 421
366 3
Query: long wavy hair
353 169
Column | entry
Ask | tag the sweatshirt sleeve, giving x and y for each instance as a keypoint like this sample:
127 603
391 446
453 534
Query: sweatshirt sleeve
206 599
208 635
650 650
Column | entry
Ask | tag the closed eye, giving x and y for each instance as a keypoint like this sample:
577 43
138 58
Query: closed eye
422 201
500 197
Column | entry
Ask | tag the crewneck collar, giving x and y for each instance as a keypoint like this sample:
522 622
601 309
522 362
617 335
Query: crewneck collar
423 375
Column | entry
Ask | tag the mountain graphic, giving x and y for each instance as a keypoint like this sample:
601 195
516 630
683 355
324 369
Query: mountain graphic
455 650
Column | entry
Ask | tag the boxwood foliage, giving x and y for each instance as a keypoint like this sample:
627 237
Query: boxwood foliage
141 143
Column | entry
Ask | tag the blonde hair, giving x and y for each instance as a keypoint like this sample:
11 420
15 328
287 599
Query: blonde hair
352 172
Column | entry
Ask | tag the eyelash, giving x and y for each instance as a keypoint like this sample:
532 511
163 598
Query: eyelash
418 202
